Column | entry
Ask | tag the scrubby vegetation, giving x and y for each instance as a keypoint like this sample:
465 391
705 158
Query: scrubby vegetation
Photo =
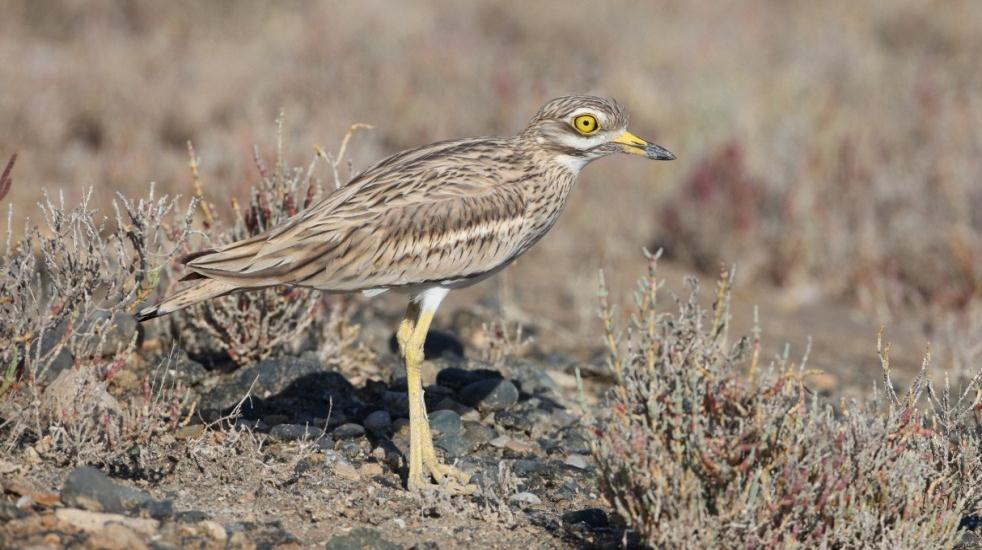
703 445
252 326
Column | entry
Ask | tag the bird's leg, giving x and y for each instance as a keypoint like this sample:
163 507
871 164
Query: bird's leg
411 337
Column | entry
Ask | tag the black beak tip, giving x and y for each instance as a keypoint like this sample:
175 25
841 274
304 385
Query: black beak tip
657 152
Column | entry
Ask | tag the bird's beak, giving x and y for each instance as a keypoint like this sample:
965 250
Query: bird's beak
634 145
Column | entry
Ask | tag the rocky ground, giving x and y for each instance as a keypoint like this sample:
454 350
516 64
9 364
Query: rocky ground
297 451
310 458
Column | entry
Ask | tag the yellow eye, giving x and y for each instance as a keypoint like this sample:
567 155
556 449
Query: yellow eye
586 124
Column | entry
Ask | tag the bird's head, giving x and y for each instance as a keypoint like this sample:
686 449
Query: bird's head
579 129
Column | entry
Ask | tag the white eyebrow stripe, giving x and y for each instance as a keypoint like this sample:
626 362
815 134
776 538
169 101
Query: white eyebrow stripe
601 117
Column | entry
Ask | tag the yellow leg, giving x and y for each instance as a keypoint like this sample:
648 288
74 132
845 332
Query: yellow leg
411 337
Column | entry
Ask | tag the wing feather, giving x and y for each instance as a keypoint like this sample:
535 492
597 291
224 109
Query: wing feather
419 216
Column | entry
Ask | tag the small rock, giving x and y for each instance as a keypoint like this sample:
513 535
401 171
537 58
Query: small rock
519 446
189 432
490 395
454 445
525 467
477 434
294 432
595 518
346 471
515 421
190 372
370 469
576 461
378 422
500 441
526 498
362 538
90 489
78 391
444 422
397 403
97 521
348 431
457 378
214 530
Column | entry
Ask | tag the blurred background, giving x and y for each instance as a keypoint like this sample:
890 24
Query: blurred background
830 150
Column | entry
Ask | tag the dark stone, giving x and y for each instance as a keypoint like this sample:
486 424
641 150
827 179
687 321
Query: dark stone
190 372
530 376
266 535
457 378
444 422
90 489
158 509
396 403
477 434
574 441
348 431
525 467
378 422
362 538
294 432
454 445
489 395
595 518
514 421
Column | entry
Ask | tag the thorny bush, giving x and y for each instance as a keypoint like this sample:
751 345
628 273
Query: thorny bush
252 326
67 290
703 448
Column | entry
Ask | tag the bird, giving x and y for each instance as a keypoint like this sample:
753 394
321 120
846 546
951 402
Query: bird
425 221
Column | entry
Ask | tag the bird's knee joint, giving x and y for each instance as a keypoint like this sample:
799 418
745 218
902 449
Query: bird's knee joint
414 355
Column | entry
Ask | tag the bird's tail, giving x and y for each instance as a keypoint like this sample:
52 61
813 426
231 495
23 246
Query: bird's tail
199 290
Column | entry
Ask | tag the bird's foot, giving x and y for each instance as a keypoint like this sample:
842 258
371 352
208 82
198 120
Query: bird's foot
448 479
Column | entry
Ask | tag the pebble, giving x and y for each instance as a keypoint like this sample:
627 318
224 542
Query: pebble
457 378
500 441
454 445
525 498
444 422
371 469
477 434
294 432
90 489
519 446
362 538
348 431
378 422
576 461
189 432
190 372
97 521
397 403
346 471
490 395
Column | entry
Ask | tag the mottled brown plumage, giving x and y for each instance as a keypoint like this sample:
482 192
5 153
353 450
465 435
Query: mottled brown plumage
426 220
